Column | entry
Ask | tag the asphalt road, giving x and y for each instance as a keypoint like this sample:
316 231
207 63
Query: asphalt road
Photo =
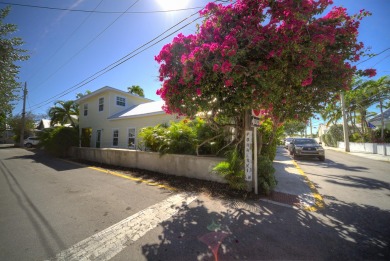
52 209
48 205
345 178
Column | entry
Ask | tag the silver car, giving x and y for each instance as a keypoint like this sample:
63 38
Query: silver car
287 142
31 141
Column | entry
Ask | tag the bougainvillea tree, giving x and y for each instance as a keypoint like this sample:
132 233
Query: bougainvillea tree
283 56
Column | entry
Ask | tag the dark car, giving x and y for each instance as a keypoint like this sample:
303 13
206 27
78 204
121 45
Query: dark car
304 147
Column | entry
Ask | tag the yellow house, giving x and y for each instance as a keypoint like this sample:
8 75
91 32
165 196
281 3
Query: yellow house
111 118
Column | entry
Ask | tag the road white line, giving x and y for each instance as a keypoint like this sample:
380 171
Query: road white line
106 244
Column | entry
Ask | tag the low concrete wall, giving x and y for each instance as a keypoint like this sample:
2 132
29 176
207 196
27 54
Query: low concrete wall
373 148
172 164
381 149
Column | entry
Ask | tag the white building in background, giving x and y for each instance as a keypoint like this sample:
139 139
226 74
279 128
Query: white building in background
377 122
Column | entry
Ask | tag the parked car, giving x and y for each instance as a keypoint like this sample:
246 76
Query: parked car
31 141
305 147
287 142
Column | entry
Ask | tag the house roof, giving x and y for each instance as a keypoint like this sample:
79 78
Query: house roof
108 88
377 118
141 110
44 124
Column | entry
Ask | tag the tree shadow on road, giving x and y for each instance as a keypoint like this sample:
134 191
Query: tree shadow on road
253 231
332 164
37 156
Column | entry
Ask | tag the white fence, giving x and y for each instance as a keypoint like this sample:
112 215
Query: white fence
373 148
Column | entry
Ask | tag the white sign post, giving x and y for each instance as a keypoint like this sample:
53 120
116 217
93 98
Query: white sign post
255 123
248 156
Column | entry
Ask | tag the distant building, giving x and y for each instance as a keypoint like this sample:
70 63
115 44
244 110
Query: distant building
377 120
322 129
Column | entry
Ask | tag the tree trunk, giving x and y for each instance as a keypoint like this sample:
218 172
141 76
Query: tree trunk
382 121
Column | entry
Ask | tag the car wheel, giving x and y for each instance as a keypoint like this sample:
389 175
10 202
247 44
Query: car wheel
28 145
322 158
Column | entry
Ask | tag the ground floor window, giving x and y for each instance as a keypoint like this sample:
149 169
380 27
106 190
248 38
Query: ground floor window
115 138
131 138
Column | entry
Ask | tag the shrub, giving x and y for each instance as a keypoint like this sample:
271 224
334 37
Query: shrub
334 135
265 175
269 146
232 170
153 137
355 137
182 138
57 141
377 135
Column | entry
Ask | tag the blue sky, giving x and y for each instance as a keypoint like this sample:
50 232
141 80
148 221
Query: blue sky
68 47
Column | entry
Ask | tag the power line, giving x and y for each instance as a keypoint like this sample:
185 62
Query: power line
106 70
118 62
374 56
99 12
63 44
381 60
89 43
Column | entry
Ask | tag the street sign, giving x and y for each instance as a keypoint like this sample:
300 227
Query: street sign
255 122
248 156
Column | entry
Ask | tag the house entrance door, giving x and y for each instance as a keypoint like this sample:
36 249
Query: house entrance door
98 138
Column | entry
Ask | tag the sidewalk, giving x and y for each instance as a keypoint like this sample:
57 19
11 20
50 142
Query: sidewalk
294 189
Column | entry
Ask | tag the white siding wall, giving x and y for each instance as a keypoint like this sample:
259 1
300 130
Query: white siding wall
99 120
138 123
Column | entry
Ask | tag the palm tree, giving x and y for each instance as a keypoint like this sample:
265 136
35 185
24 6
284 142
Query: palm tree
137 90
63 111
382 89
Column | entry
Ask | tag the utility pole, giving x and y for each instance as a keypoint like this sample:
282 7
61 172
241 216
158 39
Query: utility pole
311 129
345 123
23 116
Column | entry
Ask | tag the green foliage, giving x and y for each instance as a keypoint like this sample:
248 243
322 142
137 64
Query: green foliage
270 139
355 137
10 55
153 137
62 113
57 141
232 170
181 138
292 127
377 135
265 174
15 124
334 135
137 90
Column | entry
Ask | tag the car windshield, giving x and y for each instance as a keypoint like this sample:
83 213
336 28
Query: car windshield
305 141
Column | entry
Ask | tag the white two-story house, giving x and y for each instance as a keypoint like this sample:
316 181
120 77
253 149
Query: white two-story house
111 118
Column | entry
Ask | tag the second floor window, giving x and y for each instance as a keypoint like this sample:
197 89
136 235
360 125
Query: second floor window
120 101
85 109
101 104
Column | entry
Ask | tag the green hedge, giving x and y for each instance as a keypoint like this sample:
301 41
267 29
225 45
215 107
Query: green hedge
58 140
